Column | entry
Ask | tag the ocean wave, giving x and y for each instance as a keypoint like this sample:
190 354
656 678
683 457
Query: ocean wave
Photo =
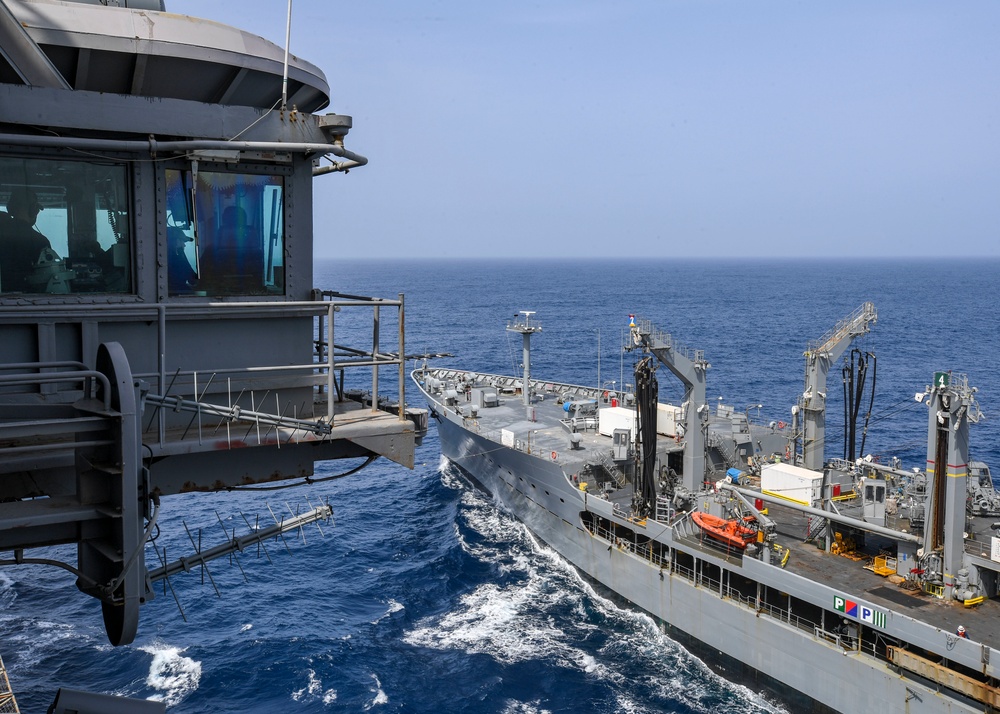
394 607
637 635
314 690
450 475
174 676
489 621
8 593
541 608
380 696
35 639
534 707
510 619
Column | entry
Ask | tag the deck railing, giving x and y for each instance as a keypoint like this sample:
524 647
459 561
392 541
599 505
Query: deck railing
321 373
978 548
700 580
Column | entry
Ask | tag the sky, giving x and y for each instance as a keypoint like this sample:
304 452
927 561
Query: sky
719 128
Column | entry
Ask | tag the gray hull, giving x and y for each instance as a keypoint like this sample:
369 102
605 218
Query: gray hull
769 646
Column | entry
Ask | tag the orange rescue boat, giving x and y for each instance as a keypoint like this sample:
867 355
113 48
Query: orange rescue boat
734 533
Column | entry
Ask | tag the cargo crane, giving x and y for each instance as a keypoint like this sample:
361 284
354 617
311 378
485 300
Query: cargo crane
820 356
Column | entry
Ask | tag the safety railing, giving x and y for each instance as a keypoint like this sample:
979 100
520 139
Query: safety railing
643 550
699 579
659 338
506 382
329 359
855 323
39 374
844 640
978 548
357 357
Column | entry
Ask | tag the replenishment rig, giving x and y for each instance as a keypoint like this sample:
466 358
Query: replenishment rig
844 587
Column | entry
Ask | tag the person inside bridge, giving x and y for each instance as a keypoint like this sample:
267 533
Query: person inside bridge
181 277
22 242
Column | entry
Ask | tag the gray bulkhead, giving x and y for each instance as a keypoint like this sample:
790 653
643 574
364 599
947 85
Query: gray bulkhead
160 330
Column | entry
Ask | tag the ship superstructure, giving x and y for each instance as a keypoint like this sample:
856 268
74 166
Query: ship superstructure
857 586
160 330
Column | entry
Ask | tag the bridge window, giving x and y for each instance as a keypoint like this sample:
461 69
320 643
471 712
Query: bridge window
64 227
225 233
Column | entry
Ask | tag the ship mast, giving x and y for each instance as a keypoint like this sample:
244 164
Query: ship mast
951 406
522 323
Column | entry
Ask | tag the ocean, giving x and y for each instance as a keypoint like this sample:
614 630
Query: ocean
424 595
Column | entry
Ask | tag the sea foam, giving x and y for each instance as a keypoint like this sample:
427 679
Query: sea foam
172 674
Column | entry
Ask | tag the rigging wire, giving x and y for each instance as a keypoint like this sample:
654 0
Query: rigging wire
305 480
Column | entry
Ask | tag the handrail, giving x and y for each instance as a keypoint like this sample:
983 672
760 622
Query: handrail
339 300
323 309
667 565
855 323
83 375
538 385
859 644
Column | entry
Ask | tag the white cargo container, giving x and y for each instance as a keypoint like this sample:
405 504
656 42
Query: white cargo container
668 418
792 483
613 418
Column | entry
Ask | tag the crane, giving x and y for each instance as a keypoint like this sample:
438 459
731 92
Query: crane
820 356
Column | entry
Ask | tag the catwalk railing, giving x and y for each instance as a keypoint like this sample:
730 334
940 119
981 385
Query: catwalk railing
329 361
697 578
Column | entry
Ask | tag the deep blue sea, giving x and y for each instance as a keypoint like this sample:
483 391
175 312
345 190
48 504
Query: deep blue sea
425 596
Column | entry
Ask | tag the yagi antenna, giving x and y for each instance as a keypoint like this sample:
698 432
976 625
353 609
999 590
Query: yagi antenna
233 546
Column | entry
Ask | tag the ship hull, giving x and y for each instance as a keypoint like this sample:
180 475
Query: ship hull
805 672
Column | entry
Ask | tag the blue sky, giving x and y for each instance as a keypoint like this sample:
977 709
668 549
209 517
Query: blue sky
670 128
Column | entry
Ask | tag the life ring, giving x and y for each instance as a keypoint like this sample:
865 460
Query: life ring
788 452
554 456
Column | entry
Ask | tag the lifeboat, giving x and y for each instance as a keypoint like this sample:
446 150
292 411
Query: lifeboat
734 533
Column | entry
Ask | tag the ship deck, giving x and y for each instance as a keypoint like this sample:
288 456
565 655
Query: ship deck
542 428
982 622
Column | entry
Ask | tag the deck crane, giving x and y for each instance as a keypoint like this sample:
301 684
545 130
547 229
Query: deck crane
689 367
820 356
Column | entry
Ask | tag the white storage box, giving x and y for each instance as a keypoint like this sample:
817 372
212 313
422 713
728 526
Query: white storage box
792 483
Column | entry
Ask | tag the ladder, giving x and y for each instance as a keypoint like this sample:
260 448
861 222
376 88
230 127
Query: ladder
7 703
728 455
612 468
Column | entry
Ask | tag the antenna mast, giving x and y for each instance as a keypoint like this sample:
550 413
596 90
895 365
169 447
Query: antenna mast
524 324
284 72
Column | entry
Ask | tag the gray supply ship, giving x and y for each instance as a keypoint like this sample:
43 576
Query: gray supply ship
160 331
844 586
